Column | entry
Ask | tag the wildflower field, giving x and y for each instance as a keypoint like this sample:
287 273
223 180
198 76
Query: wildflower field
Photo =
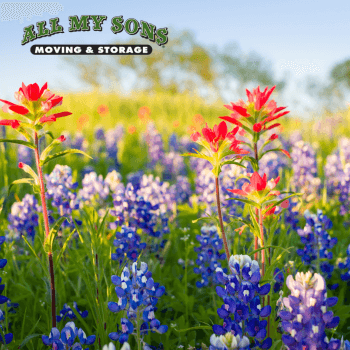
162 222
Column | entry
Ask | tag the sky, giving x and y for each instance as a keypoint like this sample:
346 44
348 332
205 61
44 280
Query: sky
298 37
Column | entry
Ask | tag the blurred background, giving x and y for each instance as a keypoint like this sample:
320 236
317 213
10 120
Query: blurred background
215 51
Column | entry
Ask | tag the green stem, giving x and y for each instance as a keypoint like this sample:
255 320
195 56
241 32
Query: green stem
220 219
47 228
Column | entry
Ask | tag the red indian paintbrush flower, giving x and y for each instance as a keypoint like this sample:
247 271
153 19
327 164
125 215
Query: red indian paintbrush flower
218 144
215 135
36 102
257 104
13 122
259 188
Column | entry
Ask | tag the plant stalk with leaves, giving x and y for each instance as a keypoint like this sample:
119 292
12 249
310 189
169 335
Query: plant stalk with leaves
35 104
219 144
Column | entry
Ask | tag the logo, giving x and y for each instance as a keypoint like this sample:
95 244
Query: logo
131 26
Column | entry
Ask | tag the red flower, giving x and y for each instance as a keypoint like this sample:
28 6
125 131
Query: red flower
32 92
51 102
62 138
257 127
257 184
20 165
259 98
273 137
195 136
53 117
285 152
19 109
13 122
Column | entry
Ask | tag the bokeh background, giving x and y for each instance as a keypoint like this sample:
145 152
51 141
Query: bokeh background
215 51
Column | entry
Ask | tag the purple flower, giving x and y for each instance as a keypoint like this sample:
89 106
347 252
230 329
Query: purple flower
23 218
208 255
138 294
241 296
306 316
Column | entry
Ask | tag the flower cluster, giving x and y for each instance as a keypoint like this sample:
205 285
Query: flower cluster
317 243
23 219
143 206
305 317
78 142
208 255
174 165
241 296
345 265
61 189
65 339
3 299
337 171
127 245
36 102
94 189
181 190
155 145
67 311
305 170
138 294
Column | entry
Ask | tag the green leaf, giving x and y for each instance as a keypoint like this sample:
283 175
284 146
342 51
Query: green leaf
64 247
54 231
248 201
49 148
35 254
20 142
207 218
196 155
49 133
29 337
192 328
267 247
232 162
275 203
21 181
271 150
256 232
61 154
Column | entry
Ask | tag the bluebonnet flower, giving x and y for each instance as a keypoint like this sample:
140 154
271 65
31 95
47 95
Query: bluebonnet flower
127 245
337 171
199 164
67 311
173 143
23 219
138 294
306 317
345 265
65 339
229 341
293 138
174 165
61 189
94 189
304 166
113 136
135 179
181 191
208 255
317 243
241 296
3 299
132 208
155 145
278 276
77 142
113 179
